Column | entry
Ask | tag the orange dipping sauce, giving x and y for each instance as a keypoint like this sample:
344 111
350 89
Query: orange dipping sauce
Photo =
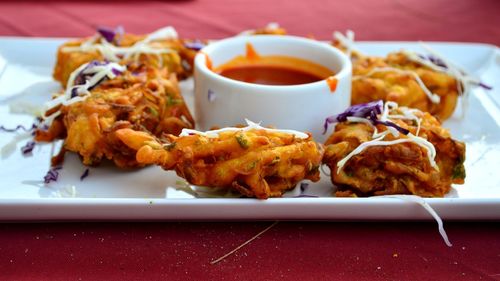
272 70
270 75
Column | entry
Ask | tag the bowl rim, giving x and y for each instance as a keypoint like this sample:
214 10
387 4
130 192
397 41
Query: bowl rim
200 62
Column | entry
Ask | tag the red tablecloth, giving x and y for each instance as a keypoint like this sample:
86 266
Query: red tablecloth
289 250
427 20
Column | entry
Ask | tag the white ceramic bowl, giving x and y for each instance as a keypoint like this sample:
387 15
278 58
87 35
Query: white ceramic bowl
221 101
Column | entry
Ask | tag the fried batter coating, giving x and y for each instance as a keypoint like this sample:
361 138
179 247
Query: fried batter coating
394 78
400 168
141 98
256 163
402 87
178 60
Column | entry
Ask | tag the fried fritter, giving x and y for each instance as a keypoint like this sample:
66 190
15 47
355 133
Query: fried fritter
256 162
404 77
141 98
169 52
366 159
393 79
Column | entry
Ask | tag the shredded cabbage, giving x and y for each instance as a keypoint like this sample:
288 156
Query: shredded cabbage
419 200
346 40
68 191
378 137
434 98
94 73
10 147
114 54
250 126
437 63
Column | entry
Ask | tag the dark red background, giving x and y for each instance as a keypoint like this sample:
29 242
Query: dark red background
290 250
440 20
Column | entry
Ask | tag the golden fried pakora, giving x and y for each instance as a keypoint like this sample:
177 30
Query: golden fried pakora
102 97
159 49
396 150
399 79
407 78
255 161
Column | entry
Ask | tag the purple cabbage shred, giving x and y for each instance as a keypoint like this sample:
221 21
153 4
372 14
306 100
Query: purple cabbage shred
303 187
211 95
17 128
116 71
484 86
195 45
106 33
439 62
42 127
97 83
28 148
390 124
329 120
364 110
110 34
82 77
52 174
85 174
435 60
74 92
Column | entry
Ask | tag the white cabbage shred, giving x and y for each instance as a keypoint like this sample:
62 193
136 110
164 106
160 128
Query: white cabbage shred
378 138
250 126
98 73
465 81
115 54
419 200
434 98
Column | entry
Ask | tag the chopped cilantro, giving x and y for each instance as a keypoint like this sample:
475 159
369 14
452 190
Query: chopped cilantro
252 165
242 141
275 160
172 101
169 146
458 172
153 111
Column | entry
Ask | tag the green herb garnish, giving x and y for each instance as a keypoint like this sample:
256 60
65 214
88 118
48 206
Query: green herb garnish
242 141
172 101
252 165
275 160
169 146
153 111
458 172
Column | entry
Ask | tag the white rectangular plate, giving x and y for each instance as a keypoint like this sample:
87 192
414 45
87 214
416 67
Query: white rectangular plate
150 193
